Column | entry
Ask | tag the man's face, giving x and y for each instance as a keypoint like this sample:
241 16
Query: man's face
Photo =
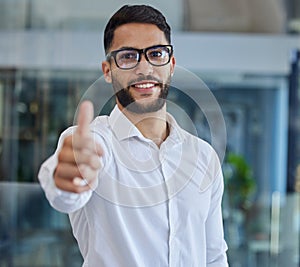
143 88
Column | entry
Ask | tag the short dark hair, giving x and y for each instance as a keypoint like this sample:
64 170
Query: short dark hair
135 14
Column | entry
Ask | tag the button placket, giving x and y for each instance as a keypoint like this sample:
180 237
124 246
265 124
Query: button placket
172 210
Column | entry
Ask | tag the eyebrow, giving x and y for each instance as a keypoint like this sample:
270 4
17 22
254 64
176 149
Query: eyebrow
135 48
121 48
126 47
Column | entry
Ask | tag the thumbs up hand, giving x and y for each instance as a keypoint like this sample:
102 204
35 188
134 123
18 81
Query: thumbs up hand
79 158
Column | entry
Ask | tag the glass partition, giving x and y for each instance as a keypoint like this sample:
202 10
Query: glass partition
31 232
261 222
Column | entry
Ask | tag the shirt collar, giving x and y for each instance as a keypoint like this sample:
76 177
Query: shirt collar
123 128
177 134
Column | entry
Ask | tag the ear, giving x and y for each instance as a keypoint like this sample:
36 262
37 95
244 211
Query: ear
173 63
106 71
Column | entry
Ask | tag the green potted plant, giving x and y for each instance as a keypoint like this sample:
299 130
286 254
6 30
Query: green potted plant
240 184
240 187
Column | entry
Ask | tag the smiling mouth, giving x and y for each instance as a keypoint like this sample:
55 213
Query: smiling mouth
145 85
147 88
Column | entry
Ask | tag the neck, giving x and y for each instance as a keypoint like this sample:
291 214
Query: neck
152 125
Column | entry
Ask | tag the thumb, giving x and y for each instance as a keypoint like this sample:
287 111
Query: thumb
85 117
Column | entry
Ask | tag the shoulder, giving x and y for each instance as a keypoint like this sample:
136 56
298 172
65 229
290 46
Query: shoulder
205 157
196 142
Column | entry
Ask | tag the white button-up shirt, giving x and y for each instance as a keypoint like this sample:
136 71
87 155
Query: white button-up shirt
152 207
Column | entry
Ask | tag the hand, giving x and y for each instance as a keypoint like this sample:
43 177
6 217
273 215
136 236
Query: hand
79 158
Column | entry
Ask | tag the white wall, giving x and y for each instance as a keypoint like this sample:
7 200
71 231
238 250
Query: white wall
198 52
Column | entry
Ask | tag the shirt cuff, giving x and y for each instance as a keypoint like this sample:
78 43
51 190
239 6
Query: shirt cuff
62 201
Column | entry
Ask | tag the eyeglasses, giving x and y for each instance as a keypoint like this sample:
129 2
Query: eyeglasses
129 58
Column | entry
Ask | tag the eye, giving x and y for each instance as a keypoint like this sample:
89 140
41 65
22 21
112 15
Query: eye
156 53
127 55
159 53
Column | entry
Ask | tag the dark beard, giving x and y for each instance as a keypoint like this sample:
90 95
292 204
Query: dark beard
127 101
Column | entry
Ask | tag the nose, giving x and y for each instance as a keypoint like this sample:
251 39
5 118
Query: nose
144 67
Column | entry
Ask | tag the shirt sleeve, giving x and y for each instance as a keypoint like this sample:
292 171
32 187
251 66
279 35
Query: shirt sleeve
216 245
62 201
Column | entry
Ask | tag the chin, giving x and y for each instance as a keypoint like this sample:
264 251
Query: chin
142 107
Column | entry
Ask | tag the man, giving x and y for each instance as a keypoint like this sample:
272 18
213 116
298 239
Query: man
139 190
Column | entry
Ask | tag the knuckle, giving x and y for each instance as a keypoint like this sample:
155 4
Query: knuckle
59 182
57 171
60 156
68 140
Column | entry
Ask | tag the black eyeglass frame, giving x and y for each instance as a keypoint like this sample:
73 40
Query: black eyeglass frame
140 52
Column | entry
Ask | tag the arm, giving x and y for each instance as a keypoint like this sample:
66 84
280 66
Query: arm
216 245
70 174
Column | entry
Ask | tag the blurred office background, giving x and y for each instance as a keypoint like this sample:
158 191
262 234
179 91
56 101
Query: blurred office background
246 51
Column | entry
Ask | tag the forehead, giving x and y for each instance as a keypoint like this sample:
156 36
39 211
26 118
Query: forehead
137 35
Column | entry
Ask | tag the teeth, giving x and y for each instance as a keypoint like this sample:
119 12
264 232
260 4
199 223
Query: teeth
144 85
